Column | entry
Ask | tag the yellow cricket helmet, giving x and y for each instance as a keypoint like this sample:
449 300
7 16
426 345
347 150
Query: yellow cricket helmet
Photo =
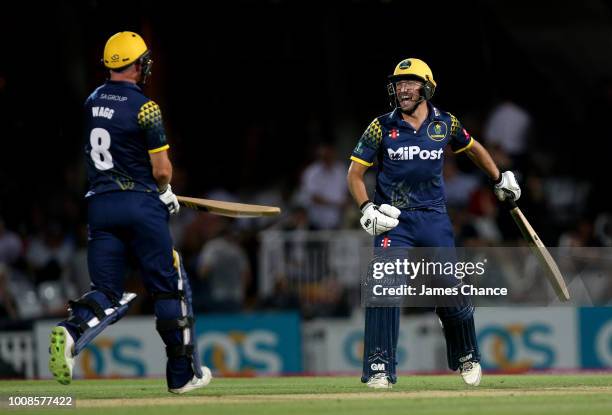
414 68
123 49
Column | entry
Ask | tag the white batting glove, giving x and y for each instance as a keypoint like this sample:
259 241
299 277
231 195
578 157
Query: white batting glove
169 199
379 219
507 187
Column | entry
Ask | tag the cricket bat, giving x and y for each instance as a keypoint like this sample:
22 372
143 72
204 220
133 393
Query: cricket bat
537 247
229 209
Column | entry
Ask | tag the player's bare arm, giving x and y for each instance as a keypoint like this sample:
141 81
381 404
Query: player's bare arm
162 168
162 173
506 185
356 184
375 219
481 157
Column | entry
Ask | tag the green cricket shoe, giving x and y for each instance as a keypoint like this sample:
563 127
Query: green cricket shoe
61 360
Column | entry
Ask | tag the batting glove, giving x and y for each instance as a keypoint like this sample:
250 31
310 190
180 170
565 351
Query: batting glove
507 187
379 219
169 199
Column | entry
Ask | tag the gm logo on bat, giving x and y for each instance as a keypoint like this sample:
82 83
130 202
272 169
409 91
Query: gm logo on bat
409 153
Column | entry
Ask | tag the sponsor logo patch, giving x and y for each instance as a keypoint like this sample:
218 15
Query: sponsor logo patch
411 152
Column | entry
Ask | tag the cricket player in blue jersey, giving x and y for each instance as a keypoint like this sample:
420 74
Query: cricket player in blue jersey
129 203
409 209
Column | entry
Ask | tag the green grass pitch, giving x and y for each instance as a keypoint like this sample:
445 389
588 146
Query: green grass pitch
500 394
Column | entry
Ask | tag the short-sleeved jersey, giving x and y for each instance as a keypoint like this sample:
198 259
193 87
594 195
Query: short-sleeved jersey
410 161
122 127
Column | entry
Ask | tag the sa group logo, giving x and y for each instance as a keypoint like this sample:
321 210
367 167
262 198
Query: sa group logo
517 347
411 152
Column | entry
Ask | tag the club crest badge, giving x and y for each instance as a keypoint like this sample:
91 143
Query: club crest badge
437 130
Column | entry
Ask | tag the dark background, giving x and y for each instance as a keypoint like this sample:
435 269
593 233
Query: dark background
248 88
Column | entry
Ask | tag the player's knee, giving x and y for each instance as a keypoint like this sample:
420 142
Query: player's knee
174 319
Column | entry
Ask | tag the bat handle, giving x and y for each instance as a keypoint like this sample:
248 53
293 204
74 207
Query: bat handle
509 204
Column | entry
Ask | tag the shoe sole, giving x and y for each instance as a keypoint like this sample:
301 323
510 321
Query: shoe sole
58 365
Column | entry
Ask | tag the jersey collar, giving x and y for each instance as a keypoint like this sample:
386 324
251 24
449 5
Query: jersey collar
433 114
123 84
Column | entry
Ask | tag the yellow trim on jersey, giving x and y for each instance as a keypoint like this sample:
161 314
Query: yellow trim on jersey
158 149
358 160
176 260
466 147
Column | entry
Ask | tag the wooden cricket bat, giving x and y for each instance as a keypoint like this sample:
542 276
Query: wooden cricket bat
229 209
535 243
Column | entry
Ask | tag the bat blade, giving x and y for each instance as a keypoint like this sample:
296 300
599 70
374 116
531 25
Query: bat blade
553 273
229 209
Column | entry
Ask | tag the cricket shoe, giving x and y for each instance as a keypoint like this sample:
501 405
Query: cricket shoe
379 381
194 383
471 373
61 360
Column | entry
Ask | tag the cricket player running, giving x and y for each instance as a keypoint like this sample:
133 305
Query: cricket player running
409 209
129 203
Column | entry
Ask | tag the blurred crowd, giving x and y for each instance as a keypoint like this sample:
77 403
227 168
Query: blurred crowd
43 254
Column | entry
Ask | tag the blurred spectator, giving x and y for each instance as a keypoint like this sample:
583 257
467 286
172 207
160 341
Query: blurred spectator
603 229
7 302
297 220
48 255
463 227
581 235
224 265
483 207
324 190
508 126
325 298
10 245
77 278
282 298
458 185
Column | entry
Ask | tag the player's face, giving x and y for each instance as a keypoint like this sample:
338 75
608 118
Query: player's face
408 94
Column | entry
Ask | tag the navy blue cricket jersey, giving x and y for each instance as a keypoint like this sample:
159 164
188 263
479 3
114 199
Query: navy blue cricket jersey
410 161
122 127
